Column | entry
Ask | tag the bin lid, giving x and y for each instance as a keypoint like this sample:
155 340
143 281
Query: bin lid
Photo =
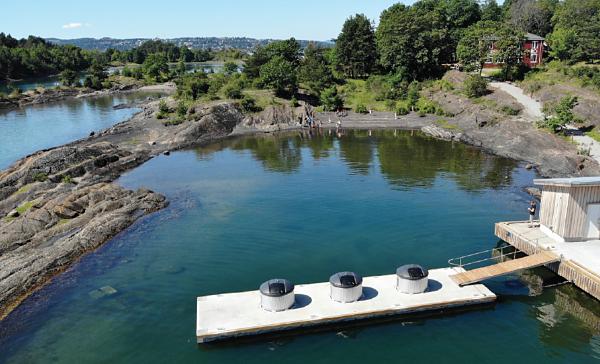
276 287
345 279
412 272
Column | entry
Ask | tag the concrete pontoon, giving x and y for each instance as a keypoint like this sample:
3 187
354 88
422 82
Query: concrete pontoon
232 315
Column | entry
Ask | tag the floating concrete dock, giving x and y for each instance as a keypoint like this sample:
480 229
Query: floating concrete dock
233 315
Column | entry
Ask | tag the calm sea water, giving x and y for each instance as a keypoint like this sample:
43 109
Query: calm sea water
249 209
31 128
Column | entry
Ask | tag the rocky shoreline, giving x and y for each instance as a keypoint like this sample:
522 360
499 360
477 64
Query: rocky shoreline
57 204
62 93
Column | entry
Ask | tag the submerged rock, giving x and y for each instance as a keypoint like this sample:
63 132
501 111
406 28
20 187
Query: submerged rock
102 292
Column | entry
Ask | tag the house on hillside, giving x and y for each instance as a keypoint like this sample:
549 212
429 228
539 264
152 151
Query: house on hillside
532 57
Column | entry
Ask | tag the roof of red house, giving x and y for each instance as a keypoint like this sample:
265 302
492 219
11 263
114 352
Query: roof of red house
528 36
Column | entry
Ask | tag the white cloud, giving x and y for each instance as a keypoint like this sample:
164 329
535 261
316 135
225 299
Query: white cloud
75 25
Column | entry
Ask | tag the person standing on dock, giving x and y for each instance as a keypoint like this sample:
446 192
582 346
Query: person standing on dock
531 209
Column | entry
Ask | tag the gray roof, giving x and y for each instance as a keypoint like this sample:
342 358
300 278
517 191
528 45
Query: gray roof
569 182
530 36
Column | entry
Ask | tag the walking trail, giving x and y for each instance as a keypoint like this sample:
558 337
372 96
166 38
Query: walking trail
532 110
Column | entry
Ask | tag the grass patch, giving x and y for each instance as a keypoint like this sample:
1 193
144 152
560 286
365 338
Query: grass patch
24 189
24 207
174 121
443 123
355 93
594 134
132 141
62 222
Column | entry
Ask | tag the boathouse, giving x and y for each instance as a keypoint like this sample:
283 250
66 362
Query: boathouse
569 228
570 208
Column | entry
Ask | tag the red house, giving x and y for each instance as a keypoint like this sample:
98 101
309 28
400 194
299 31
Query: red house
532 57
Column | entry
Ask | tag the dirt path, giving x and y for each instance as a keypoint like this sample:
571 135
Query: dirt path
532 109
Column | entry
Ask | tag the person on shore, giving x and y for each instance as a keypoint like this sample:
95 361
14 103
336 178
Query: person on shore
531 210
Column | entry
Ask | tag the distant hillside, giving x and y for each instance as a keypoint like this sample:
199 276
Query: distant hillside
191 42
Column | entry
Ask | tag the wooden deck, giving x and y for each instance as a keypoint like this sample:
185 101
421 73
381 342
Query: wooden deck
500 269
580 263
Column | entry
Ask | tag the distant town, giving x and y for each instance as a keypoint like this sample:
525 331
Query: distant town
215 43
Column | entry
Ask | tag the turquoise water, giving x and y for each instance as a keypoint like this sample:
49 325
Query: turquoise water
249 209
31 128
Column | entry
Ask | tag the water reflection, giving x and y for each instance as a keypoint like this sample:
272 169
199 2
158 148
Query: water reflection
568 319
31 128
406 159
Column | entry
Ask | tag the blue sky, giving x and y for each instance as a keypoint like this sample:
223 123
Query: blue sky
304 19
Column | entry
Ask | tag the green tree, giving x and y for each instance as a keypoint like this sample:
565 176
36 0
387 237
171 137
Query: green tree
330 99
230 68
564 44
509 48
534 16
473 48
181 66
68 77
563 111
355 47
315 71
578 22
192 85
288 49
279 74
96 76
491 11
413 41
155 67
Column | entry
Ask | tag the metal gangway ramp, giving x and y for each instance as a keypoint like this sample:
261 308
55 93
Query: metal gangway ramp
499 269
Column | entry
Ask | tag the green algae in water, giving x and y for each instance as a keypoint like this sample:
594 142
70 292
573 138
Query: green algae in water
248 209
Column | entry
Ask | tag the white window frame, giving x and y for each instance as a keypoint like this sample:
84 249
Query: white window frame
534 46
533 57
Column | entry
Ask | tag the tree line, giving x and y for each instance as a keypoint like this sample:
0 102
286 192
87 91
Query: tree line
34 56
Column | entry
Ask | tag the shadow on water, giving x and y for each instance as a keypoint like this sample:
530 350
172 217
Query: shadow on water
345 329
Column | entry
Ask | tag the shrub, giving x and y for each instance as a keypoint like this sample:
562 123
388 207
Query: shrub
426 106
66 179
564 110
233 91
508 110
181 109
475 86
360 109
248 104
402 110
40 177
390 105
163 107
175 121
330 99
294 102
532 87
127 72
